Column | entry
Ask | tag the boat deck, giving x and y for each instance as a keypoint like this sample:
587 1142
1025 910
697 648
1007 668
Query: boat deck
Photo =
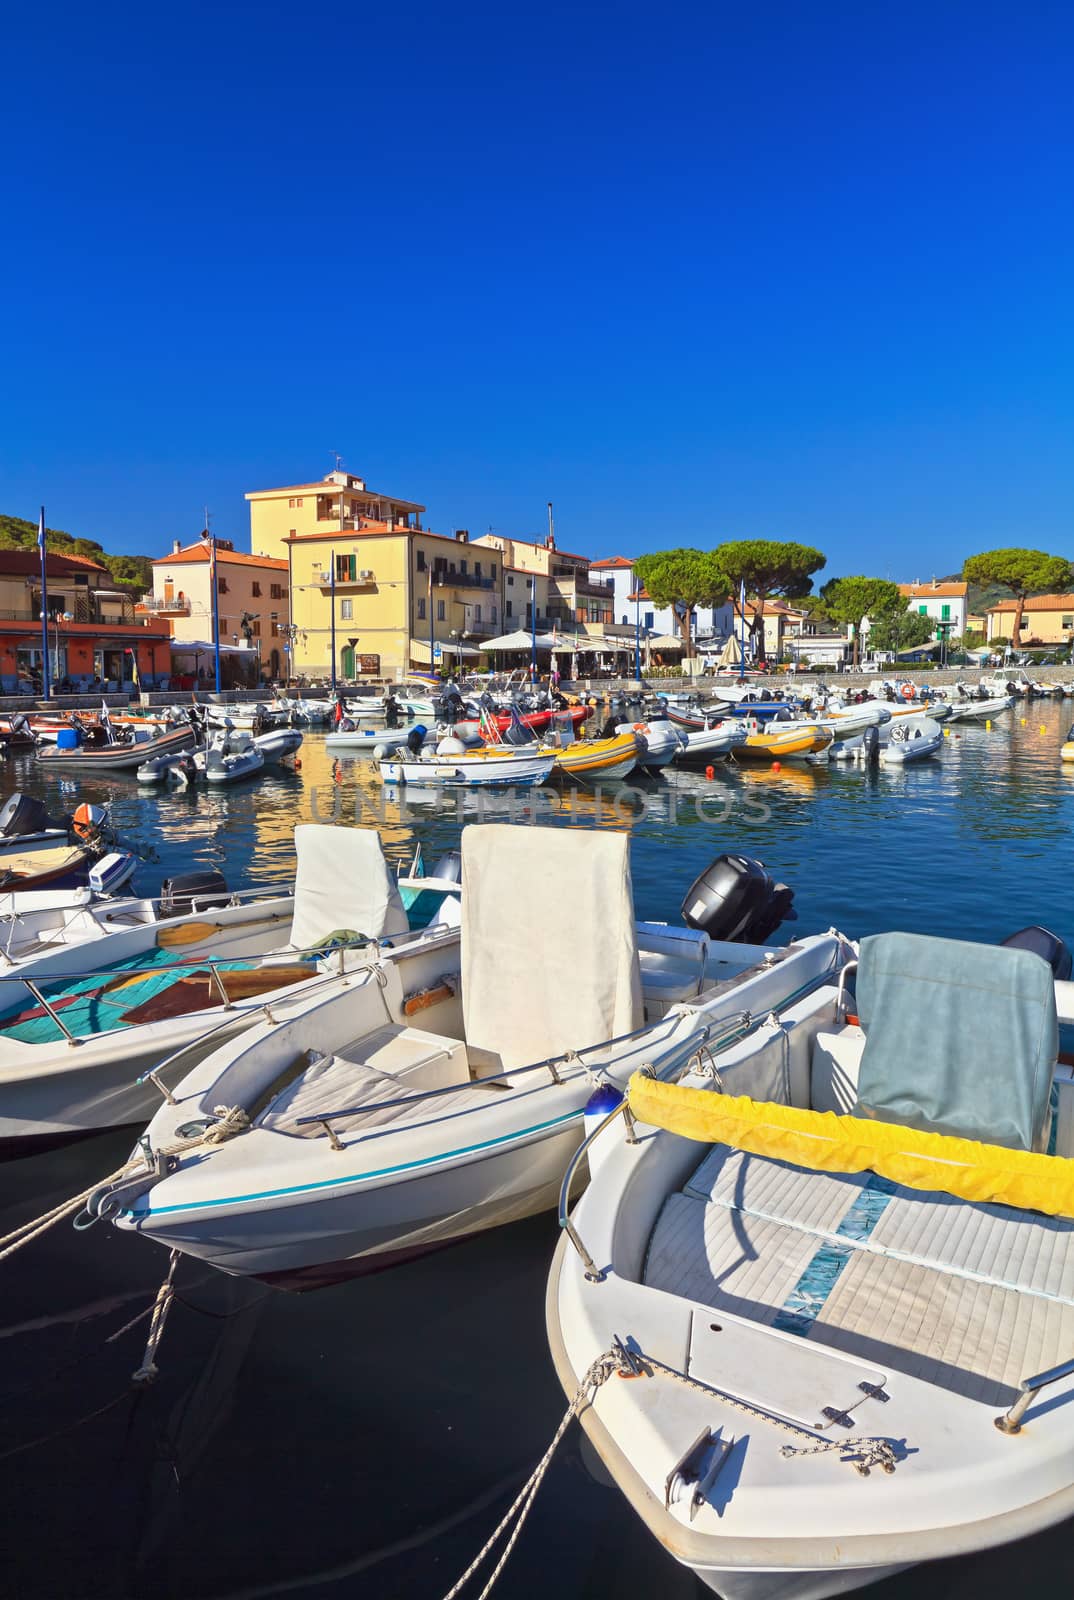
969 1297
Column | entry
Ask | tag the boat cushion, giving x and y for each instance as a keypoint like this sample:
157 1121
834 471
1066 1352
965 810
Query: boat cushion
343 881
960 1038
549 946
972 1297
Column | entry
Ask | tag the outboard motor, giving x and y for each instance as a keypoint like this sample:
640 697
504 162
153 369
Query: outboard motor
735 899
415 739
870 743
449 867
22 814
193 891
1045 944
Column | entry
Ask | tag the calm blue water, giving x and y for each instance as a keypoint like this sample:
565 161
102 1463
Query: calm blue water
363 1440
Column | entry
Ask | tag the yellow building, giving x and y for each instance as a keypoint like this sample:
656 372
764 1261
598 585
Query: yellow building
365 575
252 600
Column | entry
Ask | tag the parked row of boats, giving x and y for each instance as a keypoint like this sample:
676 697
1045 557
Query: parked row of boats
819 1280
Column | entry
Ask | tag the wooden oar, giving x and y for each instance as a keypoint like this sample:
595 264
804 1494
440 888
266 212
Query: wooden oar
194 932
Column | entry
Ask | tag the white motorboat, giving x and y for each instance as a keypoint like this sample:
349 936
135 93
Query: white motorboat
145 990
711 744
835 1266
443 1092
368 740
452 765
844 721
659 742
972 709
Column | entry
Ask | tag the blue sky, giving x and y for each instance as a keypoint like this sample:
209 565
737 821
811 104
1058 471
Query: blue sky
692 272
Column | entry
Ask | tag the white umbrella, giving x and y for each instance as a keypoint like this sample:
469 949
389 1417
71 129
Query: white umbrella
520 640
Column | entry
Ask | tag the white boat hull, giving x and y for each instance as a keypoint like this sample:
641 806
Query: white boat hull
461 771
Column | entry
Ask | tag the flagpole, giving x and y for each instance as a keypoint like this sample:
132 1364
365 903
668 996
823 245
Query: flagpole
46 683
742 633
332 559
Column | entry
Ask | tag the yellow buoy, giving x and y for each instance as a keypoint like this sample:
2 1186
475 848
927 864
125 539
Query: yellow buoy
988 722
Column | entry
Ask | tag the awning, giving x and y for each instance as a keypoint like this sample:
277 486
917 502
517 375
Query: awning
666 641
446 647
202 647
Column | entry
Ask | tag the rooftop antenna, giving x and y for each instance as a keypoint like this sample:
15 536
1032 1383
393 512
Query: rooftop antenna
338 459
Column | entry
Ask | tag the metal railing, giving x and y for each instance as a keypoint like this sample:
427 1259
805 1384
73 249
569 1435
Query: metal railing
1011 1420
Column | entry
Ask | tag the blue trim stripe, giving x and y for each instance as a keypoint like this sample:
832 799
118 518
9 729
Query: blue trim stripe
808 1297
359 1177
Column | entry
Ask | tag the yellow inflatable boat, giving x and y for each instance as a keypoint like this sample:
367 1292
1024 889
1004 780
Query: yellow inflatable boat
597 758
773 742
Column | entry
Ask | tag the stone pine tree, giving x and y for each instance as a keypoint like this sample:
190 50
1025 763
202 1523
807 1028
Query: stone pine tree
1022 573
683 579
771 569
851 600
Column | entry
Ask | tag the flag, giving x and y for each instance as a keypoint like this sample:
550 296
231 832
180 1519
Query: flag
134 669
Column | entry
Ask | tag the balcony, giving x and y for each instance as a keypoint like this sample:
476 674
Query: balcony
364 578
457 580
177 607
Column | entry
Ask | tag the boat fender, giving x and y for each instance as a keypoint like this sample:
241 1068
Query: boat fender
605 1099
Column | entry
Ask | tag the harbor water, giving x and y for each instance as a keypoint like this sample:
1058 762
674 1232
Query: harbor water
365 1439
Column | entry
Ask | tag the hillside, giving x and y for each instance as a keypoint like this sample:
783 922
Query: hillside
128 572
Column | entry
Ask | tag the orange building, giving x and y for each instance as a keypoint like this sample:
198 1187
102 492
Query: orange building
94 638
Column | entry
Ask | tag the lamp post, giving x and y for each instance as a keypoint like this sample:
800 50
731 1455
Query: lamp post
332 576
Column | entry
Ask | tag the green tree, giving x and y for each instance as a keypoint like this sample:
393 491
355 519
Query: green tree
1021 573
851 600
898 629
770 569
682 578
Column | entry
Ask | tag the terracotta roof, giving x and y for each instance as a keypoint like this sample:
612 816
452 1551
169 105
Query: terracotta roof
613 561
27 563
1038 602
941 591
199 552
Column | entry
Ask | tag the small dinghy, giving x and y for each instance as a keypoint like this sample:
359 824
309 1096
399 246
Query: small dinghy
278 743
913 739
452 765
89 750
836 1264
712 744
659 742
444 1092
230 759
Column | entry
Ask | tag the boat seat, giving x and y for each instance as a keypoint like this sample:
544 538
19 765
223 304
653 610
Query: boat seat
548 942
968 1296
960 1038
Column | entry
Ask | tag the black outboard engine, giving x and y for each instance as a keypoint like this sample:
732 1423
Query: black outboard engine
1045 944
22 814
193 891
870 743
736 899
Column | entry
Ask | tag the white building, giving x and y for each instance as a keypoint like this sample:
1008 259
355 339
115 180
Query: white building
711 623
945 603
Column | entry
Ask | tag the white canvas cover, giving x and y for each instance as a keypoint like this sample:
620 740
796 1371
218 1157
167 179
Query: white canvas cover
343 881
549 947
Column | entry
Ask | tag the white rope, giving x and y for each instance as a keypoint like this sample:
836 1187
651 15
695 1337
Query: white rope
161 1306
519 1509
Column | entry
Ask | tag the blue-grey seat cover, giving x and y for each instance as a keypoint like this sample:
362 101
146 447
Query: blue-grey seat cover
960 1038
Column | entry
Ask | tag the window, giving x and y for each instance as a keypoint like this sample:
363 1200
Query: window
462 566
529 583
255 628
255 590
221 586
945 613
346 571
420 554
625 617
275 591
510 580
493 572
295 501
649 619
922 611
440 611
477 569
494 613
421 610
1068 622
346 610
509 608
477 613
